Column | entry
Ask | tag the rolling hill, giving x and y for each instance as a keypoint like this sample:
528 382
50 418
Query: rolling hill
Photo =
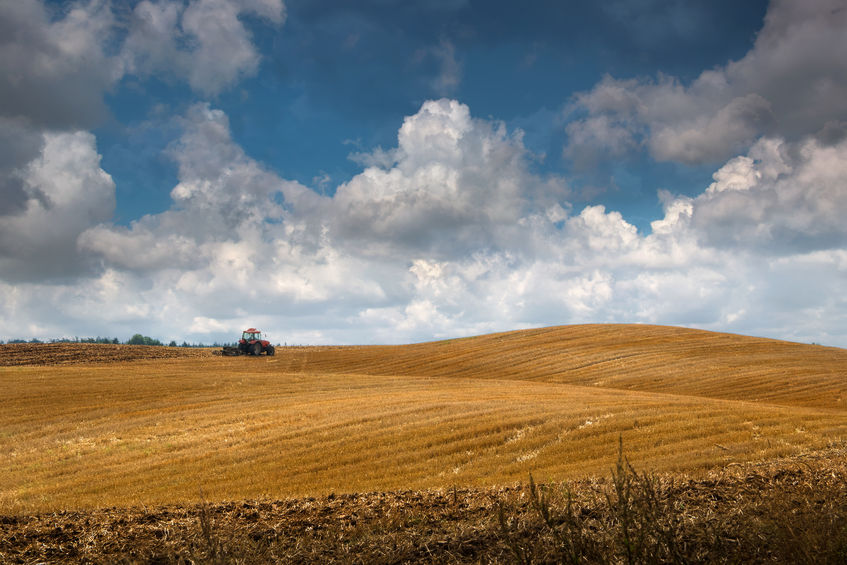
80 429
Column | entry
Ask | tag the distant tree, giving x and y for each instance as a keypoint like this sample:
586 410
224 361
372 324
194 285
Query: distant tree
139 339
74 339
172 343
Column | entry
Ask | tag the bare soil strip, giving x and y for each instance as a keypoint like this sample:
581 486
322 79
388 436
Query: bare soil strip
21 354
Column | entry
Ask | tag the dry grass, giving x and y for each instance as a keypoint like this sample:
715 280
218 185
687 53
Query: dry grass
476 412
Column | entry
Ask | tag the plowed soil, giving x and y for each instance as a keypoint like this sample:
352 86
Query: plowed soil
81 353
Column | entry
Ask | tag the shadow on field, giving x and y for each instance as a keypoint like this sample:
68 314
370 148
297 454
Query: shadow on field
790 511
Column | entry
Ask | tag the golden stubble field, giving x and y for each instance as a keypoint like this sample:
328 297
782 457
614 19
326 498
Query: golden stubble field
85 426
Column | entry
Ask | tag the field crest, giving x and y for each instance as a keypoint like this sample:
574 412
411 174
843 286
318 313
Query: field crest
619 356
476 412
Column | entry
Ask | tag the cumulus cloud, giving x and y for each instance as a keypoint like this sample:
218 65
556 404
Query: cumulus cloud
790 84
237 232
57 62
452 231
455 235
66 193
709 138
457 184
203 40
21 145
781 196
597 138
55 70
237 238
449 233
224 198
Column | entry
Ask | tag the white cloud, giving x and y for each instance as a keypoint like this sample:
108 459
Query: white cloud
711 137
599 231
21 144
57 61
449 233
597 137
457 184
455 235
227 212
54 71
781 196
236 237
66 193
203 325
790 84
203 40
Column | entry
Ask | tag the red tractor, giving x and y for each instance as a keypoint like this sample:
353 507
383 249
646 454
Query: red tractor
251 343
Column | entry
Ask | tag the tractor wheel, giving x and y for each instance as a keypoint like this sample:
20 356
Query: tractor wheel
270 349
256 348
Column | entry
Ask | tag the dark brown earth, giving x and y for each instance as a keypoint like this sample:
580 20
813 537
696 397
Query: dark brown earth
14 354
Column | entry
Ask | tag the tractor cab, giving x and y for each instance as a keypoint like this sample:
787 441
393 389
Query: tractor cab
251 335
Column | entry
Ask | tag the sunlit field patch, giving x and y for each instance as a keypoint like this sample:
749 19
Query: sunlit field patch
475 412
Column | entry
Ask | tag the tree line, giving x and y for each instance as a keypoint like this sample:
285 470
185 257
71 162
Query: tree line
136 339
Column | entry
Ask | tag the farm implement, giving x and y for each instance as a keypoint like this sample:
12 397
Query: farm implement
251 343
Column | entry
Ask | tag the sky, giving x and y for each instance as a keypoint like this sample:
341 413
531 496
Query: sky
383 171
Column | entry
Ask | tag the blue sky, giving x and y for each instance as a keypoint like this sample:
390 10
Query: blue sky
384 171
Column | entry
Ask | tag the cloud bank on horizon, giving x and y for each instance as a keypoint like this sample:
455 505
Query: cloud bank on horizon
459 227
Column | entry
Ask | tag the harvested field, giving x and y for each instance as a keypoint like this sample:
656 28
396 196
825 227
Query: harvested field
98 434
14 354
612 356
